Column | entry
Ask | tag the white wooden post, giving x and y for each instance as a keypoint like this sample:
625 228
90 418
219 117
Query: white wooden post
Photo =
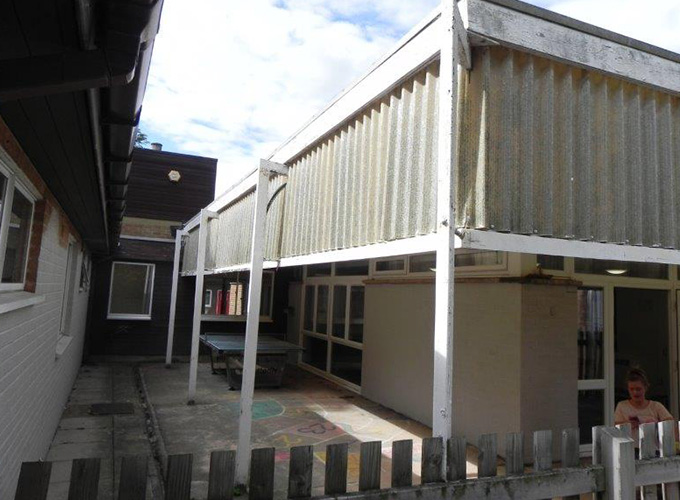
198 303
252 326
442 399
618 458
173 298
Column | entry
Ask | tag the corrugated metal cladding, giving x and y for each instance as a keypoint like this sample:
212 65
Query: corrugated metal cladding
230 235
373 179
559 151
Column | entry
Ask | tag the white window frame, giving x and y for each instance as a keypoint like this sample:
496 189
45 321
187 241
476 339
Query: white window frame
123 316
70 280
394 272
14 182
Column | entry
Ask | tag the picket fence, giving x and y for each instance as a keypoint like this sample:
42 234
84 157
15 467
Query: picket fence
615 473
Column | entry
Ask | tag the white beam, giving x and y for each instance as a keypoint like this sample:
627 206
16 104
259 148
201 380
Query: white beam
491 240
442 397
460 20
198 303
272 166
252 326
173 298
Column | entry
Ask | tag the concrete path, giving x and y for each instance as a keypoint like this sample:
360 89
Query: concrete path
307 410
82 434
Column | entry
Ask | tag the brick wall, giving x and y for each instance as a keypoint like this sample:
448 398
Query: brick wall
34 384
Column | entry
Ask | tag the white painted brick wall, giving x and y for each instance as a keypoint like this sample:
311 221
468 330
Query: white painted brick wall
34 385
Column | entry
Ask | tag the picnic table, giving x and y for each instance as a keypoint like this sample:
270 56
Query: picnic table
269 366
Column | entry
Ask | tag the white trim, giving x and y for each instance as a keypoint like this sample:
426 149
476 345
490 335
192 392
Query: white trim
12 301
548 38
146 238
126 316
491 240
69 286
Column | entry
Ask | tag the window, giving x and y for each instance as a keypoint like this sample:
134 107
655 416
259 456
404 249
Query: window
85 265
226 296
623 269
16 217
207 301
390 266
131 293
550 262
69 287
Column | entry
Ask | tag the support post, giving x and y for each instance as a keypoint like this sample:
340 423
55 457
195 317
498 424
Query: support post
442 398
198 304
173 298
618 458
252 326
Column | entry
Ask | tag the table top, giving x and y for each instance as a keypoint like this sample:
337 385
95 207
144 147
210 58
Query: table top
236 344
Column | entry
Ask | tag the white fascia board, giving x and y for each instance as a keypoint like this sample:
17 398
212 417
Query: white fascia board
418 47
491 240
267 264
534 30
418 244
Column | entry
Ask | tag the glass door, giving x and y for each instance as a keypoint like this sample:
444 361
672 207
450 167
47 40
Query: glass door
592 381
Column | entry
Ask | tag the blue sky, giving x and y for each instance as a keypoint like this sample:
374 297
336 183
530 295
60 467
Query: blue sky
236 82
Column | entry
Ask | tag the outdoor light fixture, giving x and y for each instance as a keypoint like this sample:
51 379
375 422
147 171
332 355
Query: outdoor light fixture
616 272
174 176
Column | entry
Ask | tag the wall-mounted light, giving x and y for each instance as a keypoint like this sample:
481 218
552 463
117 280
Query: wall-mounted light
616 272
174 176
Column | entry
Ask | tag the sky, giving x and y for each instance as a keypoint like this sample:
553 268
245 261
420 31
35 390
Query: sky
232 79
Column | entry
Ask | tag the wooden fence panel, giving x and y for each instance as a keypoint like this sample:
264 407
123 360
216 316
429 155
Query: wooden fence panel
543 448
431 464
571 456
133 472
488 455
84 479
514 453
221 475
300 472
34 479
648 446
402 463
667 448
261 485
178 477
336 469
369 463
456 462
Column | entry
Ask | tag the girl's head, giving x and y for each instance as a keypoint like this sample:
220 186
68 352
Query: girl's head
637 384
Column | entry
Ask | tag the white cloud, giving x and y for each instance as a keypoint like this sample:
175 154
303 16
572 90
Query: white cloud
232 80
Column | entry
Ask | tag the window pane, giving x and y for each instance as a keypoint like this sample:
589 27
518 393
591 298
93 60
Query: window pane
624 269
356 314
590 334
339 309
393 265
131 289
423 263
315 352
309 308
352 268
468 258
346 363
590 413
318 270
17 239
322 309
552 262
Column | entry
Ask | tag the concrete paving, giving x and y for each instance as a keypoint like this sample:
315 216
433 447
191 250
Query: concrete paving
307 410
82 434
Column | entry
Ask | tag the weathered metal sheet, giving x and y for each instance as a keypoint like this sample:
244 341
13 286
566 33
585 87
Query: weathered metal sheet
372 180
559 151
190 251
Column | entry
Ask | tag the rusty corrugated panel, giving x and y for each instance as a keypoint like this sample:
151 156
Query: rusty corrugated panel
559 151
372 180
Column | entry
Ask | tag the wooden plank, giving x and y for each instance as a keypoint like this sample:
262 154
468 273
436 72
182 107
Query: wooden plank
456 462
178 477
667 449
221 476
133 471
369 466
431 463
261 486
627 429
570 456
488 455
597 444
34 479
648 444
618 457
300 472
542 451
514 453
336 469
657 470
402 463
84 479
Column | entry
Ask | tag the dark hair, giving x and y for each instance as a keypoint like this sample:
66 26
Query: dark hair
637 375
